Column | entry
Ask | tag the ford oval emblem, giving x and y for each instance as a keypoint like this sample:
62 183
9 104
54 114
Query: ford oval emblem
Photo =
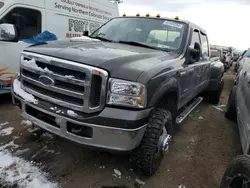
46 81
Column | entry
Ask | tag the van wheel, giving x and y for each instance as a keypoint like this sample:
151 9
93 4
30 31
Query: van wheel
155 143
237 174
231 108
214 96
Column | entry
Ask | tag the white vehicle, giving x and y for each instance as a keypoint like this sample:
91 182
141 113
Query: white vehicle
24 19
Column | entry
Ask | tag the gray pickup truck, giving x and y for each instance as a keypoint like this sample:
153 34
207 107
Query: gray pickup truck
123 88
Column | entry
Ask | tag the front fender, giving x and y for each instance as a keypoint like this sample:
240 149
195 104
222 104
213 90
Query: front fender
157 93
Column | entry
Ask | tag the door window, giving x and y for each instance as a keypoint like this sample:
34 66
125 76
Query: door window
27 22
204 46
195 38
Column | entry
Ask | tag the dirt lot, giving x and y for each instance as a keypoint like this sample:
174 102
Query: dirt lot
202 148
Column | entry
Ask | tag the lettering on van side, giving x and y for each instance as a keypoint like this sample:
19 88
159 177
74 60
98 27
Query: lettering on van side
81 11
80 26
63 7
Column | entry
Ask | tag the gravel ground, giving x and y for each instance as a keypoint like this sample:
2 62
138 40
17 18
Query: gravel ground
202 148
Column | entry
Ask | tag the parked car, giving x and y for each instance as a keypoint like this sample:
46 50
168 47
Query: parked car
226 59
246 54
237 174
217 55
123 88
29 18
238 107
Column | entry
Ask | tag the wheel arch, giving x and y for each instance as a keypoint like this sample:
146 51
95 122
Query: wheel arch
169 90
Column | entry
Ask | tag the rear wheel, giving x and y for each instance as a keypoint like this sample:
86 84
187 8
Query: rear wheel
149 155
237 175
214 96
231 108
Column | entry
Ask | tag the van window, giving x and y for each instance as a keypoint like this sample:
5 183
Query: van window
27 22
204 45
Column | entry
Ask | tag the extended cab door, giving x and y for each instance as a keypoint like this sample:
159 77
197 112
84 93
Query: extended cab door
202 68
28 22
187 74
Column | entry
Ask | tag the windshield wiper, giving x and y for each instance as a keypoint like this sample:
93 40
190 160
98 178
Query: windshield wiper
142 45
102 39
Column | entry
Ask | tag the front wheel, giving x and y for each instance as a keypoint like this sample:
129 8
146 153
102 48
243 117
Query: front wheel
156 140
237 174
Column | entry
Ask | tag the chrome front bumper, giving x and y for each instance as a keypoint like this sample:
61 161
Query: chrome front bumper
104 137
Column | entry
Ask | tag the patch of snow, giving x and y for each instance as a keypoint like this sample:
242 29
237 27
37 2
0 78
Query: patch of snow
71 113
9 145
51 108
3 124
139 182
83 38
58 111
6 131
201 118
69 76
32 64
222 105
19 91
26 122
117 172
16 171
15 137
181 186
48 135
20 152
218 108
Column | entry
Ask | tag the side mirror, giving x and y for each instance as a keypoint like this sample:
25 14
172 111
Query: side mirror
194 54
8 33
86 33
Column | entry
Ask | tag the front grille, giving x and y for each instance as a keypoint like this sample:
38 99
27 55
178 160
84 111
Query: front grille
95 91
75 86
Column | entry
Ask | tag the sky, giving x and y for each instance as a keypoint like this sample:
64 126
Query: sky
225 21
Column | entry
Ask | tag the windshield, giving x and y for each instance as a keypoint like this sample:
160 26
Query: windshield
156 33
247 54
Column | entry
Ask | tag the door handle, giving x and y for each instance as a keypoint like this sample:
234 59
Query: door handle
191 70
183 73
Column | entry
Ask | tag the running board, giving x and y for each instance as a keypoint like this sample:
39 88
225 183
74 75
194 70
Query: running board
183 115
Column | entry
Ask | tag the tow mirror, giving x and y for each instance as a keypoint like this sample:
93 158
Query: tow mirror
194 54
86 33
8 33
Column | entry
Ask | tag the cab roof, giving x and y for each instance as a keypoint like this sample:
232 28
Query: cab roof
190 24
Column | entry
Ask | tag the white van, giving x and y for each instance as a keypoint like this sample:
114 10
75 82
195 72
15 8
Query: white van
64 18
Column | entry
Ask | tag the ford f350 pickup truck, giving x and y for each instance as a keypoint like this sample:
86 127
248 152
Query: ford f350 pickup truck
123 88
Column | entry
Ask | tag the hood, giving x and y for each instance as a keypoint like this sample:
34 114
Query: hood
120 60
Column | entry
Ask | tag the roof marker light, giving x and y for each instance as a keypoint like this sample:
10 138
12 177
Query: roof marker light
147 14
177 17
138 14
124 14
158 15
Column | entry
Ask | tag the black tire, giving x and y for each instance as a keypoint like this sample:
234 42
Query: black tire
145 155
231 108
214 96
236 173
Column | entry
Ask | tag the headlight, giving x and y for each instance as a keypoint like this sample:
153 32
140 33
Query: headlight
125 93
